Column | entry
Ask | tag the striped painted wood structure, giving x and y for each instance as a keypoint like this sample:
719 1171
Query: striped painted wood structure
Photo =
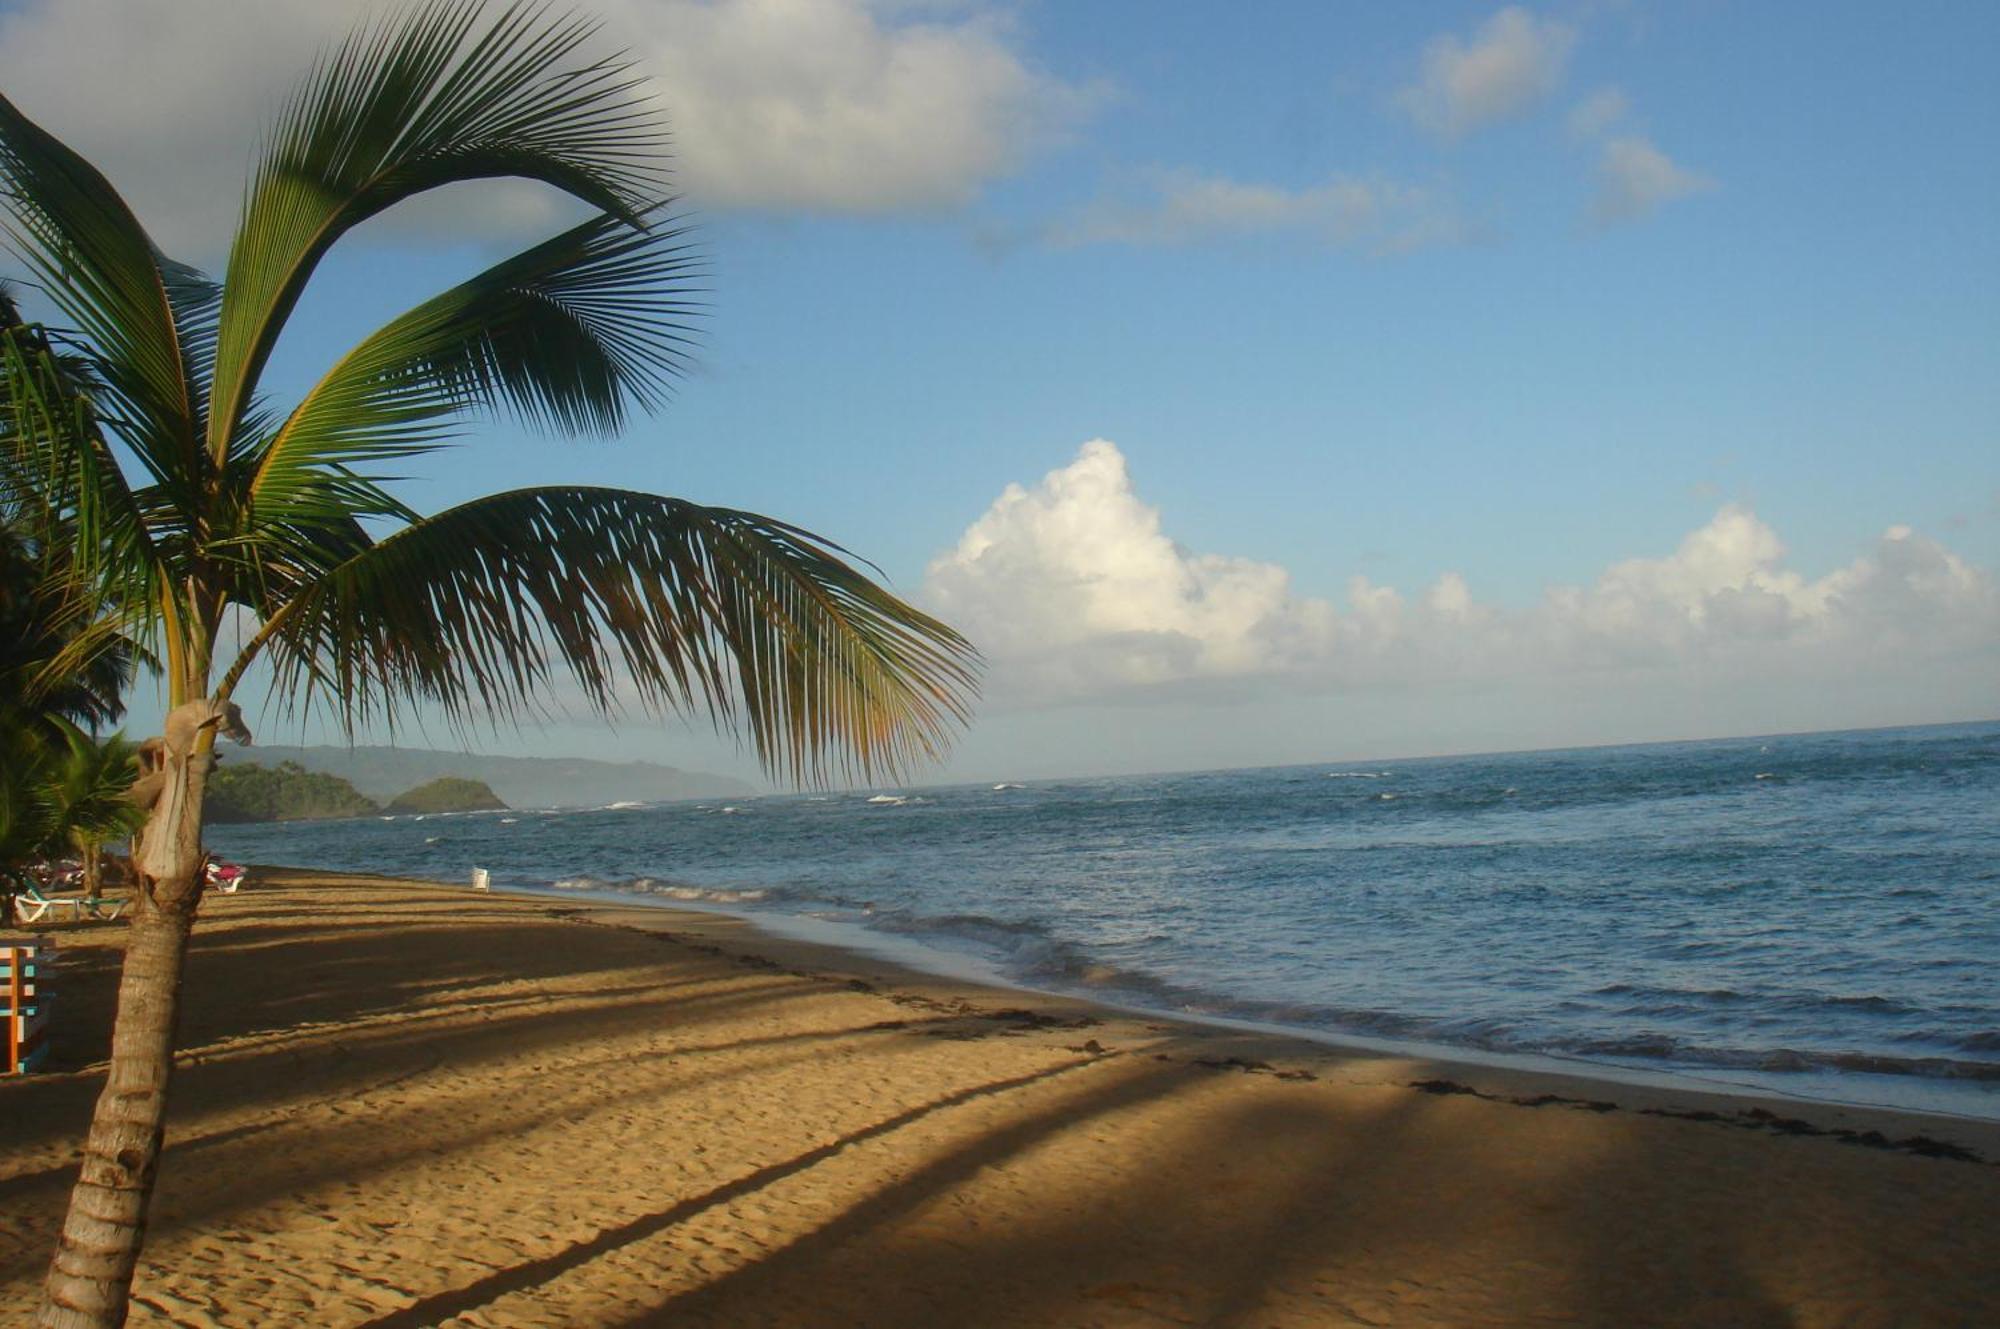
24 970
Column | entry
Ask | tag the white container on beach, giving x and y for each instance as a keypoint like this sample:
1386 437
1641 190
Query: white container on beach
482 880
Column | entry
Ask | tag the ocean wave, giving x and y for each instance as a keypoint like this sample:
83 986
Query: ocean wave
668 890
1032 952
704 894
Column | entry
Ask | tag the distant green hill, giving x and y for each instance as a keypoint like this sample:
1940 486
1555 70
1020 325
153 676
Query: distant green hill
524 782
447 793
285 792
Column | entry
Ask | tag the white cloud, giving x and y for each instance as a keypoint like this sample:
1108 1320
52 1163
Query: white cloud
168 101
824 105
813 105
1075 591
1075 582
1511 63
1183 207
1634 178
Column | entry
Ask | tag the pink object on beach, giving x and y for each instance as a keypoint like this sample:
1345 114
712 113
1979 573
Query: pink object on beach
226 877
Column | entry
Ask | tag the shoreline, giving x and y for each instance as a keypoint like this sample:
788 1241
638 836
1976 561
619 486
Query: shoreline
404 1103
844 943
802 944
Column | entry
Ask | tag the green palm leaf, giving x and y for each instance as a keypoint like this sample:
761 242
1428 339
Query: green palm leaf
95 264
566 334
478 608
59 477
86 784
408 106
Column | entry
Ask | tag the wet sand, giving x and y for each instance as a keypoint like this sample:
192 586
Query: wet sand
403 1105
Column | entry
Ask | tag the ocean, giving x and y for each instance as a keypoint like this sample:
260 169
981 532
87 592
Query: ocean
1811 914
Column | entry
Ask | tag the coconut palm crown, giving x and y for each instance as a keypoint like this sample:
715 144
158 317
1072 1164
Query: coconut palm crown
193 495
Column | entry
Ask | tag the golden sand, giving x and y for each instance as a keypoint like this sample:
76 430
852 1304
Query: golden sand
406 1105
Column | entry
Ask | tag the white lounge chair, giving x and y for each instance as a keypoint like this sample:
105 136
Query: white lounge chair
31 905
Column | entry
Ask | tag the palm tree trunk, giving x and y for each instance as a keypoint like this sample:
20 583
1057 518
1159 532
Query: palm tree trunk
90 1280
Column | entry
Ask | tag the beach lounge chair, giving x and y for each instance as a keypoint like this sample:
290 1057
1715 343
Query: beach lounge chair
225 877
31 905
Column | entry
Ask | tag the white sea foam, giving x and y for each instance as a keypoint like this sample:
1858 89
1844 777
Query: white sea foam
702 895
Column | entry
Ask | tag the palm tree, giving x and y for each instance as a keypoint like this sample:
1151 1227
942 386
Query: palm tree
62 662
63 794
87 794
360 604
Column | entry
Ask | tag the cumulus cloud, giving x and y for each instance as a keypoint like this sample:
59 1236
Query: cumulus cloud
1634 179
810 105
1512 62
1183 207
1075 591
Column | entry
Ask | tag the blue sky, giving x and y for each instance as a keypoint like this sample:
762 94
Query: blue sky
1648 352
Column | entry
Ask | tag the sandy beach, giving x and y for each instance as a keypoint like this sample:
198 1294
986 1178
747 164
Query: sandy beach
403 1105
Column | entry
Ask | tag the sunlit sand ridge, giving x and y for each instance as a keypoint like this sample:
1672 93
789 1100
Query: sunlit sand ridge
404 1105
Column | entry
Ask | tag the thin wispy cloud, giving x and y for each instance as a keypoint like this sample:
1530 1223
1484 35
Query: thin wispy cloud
1075 590
1597 114
1509 65
1182 207
1635 178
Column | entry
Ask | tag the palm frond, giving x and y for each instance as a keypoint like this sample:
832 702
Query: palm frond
695 609
59 475
566 334
86 784
94 262
416 102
